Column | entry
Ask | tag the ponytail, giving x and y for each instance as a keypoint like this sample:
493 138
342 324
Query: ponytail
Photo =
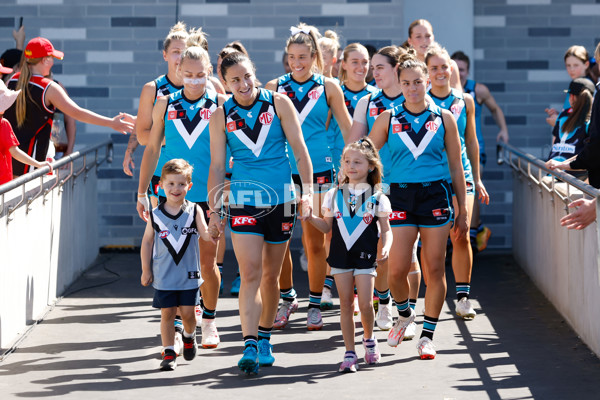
409 60
197 37
177 32
581 112
23 86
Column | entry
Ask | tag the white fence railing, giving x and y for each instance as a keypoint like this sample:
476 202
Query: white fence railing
48 236
563 263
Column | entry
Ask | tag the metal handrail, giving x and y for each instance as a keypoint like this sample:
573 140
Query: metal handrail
41 173
522 162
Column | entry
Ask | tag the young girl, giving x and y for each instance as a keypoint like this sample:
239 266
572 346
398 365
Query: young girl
313 96
419 133
588 157
8 142
571 128
577 63
181 121
31 115
462 108
353 211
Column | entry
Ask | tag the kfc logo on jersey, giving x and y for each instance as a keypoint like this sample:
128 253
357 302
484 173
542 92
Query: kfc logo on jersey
338 215
164 234
367 218
235 125
322 179
398 216
176 114
243 221
314 94
266 118
286 226
432 126
396 128
205 113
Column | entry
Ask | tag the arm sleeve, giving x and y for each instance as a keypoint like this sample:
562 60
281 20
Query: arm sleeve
385 207
327 206
7 136
360 112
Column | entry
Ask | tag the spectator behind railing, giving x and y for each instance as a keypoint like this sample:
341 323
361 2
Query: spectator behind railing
31 115
589 157
8 142
571 129
577 64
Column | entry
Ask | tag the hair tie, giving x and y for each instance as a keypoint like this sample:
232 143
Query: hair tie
295 30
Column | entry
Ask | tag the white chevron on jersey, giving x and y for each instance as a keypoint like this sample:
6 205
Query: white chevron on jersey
408 142
351 238
311 102
256 148
176 243
191 137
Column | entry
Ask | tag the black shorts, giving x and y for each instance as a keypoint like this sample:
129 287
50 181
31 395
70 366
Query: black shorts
275 223
322 181
175 298
426 204
153 188
206 210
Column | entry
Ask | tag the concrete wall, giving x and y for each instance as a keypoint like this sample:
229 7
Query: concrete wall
564 264
44 251
112 49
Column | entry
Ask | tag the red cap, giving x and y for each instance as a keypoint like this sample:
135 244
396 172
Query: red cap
39 47
4 70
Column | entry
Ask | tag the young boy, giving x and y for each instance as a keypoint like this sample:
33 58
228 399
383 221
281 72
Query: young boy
9 145
171 259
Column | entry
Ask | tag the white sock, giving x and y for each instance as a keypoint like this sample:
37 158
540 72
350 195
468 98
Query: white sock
188 335
170 348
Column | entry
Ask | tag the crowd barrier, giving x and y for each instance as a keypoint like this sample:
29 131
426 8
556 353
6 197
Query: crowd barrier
48 236
563 263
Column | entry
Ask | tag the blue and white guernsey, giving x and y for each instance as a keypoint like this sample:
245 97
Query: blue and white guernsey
310 100
378 103
354 230
417 145
187 136
351 98
176 252
261 171
455 103
164 87
567 144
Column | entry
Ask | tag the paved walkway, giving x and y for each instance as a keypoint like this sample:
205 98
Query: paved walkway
102 342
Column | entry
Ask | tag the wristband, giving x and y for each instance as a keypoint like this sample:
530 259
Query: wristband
142 195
